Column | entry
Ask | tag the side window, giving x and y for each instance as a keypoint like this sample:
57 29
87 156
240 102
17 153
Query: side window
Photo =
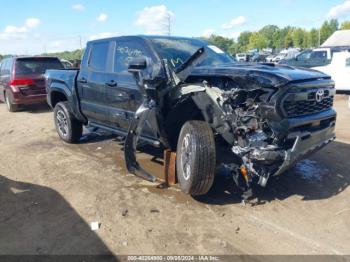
304 56
6 67
124 52
98 56
319 55
348 62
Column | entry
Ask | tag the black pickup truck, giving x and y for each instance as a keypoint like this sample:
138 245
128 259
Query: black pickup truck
186 95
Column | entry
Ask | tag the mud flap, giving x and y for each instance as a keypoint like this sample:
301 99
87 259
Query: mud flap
142 114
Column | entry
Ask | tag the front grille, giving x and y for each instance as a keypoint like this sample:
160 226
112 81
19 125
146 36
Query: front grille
304 102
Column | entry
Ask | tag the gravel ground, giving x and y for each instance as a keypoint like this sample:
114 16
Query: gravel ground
50 192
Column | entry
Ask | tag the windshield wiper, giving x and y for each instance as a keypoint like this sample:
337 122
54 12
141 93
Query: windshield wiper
186 68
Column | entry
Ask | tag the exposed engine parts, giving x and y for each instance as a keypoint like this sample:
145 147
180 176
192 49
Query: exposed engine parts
240 109
246 130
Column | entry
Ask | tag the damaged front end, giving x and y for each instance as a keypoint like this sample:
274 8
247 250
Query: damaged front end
246 109
250 118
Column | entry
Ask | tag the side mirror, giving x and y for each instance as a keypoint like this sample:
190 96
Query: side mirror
137 64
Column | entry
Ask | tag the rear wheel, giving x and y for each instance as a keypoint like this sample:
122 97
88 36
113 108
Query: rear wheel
68 127
10 106
196 158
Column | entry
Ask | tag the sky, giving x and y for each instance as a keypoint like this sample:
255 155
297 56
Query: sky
38 26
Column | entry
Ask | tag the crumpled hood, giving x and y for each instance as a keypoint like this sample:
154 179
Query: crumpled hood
281 72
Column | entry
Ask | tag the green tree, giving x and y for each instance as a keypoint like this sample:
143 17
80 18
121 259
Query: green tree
333 25
327 29
68 55
269 32
306 38
313 38
243 41
288 40
220 41
257 40
345 25
298 37
234 48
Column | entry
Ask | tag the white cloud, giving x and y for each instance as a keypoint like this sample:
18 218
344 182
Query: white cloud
340 10
102 17
155 19
240 20
10 29
19 32
101 35
232 35
32 22
78 7
208 32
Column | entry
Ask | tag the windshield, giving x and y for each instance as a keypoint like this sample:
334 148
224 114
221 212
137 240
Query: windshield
36 66
178 51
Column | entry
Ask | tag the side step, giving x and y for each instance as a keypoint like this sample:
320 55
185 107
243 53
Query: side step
123 133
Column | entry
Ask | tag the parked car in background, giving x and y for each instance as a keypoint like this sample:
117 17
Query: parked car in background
339 70
269 58
22 80
188 96
333 61
258 58
242 57
67 64
286 54
310 58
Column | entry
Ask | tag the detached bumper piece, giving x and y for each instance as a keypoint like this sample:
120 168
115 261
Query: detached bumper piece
135 129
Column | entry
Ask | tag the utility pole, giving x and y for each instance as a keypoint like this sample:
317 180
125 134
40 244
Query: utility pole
167 24
319 37
80 43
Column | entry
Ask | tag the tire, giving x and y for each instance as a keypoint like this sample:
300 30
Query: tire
196 158
10 106
68 127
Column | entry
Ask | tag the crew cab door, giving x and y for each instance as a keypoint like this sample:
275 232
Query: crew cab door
124 98
319 58
92 82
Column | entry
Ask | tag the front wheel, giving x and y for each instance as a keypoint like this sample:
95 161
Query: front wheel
196 158
68 127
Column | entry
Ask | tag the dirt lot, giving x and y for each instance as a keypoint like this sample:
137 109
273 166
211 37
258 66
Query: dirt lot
50 192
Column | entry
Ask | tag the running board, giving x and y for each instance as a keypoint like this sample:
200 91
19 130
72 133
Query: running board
150 141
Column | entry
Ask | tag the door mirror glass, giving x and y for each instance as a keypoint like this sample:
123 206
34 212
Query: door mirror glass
137 64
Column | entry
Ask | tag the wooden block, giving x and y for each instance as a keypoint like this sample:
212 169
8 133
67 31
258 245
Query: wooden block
170 167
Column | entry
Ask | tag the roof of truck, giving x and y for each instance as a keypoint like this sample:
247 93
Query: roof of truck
339 38
147 37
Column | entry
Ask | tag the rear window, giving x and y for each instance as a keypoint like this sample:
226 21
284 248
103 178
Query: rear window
348 62
36 66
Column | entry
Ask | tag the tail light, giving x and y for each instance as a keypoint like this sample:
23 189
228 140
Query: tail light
18 84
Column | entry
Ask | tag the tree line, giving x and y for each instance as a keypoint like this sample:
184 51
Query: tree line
271 36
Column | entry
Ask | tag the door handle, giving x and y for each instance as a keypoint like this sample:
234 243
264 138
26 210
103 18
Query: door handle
111 83
82 80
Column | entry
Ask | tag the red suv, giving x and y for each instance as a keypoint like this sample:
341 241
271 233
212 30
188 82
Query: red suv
22 80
